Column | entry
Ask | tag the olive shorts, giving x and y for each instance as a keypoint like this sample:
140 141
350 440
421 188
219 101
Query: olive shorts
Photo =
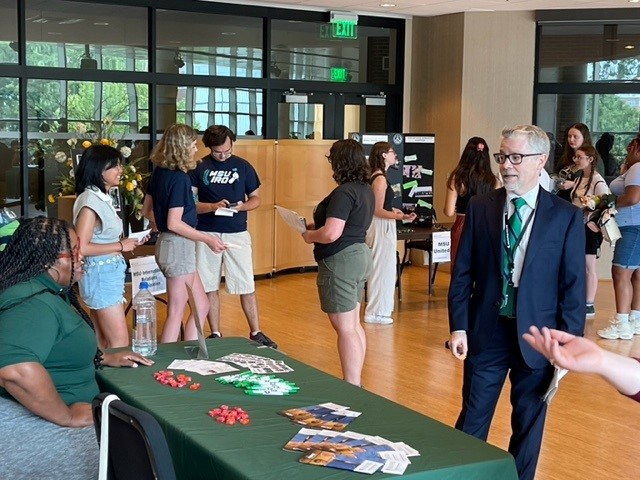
341 278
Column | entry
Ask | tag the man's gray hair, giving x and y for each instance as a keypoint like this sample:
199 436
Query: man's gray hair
537 138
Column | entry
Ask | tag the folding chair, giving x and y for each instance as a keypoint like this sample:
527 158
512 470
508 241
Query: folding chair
136 445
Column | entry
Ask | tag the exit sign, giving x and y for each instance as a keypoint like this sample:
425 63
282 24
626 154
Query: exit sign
339 30
339 74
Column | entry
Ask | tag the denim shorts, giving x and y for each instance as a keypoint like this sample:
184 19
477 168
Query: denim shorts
627 250
102 284
341 278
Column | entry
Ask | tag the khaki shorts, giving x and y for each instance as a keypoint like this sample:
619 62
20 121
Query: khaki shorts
175 255
341 278
236 260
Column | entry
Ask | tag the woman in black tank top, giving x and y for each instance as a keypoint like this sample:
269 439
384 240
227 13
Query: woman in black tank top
472 176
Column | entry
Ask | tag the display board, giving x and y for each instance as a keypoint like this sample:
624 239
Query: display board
412 180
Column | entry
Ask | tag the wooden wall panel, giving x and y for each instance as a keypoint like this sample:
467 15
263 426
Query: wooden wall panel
302 180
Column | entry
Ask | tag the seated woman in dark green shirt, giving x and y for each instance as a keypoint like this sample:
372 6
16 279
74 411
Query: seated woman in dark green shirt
48 356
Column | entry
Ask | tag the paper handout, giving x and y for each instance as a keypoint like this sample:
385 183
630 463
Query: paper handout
225 212
293 219
139 236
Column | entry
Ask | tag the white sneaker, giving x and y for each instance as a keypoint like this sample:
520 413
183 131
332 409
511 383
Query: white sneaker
617 330
635 325
379 319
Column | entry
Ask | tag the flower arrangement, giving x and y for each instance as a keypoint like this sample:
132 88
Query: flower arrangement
131 179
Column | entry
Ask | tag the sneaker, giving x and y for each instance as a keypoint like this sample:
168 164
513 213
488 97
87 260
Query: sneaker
617 330
591 311
635 325
215 335
379 319
262 339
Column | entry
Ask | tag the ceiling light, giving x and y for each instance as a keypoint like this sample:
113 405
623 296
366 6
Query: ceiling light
629 47
387 5
87 62
177 60
71 21
634 1
101 24
230 34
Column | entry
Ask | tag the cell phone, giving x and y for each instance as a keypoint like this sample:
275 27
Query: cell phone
232 205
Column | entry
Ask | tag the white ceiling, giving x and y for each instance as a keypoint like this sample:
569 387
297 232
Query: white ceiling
428 8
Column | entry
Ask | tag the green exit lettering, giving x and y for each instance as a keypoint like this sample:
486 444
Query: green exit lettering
339 30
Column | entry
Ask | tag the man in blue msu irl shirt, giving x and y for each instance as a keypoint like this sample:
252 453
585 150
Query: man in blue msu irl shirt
227 187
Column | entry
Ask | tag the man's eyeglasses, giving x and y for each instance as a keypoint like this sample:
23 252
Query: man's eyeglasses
514 158
222 155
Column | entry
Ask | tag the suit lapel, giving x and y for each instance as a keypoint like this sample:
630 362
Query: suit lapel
494 222
540 228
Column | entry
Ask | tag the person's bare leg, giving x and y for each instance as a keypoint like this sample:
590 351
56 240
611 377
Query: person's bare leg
214 311
98 328
351 348
176 301
249 305
622 288
592 278
635 285
112 325
201 306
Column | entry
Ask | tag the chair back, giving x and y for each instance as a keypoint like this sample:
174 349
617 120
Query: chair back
137 447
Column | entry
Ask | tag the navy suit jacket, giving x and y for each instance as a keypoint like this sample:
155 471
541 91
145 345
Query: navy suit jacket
551 291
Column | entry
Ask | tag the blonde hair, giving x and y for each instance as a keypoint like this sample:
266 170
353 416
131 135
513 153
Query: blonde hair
173 151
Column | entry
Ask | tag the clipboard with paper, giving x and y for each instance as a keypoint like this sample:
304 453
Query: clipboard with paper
293 219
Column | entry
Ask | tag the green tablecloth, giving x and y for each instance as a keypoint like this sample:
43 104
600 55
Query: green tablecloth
204 449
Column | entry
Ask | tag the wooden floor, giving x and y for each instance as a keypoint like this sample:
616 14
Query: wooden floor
590 431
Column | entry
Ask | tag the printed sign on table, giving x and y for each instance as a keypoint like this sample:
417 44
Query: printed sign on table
146 268
441 246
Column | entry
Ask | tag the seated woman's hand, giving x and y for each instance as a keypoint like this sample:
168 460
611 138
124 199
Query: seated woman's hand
125 359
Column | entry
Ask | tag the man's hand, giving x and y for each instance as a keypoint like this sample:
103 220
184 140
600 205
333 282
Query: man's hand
221 204
458 345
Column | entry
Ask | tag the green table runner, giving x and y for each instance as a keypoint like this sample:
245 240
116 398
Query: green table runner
204 449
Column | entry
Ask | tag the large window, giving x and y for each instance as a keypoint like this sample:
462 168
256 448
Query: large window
314 51
10 194
593 52
209 44
67 65
86 35
61 114
238 108
8 31
589 72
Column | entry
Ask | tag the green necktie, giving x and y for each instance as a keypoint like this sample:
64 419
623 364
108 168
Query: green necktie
514 230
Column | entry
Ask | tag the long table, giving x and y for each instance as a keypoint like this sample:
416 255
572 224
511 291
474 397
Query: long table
204 449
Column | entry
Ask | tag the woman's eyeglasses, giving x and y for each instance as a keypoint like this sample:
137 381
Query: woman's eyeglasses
74 253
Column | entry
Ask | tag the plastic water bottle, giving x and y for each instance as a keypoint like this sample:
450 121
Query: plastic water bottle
144 339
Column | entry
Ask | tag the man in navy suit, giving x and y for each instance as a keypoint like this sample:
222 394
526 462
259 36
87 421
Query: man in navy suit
510 274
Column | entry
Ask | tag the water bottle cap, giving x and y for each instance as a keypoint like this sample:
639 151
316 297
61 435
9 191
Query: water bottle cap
143 285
